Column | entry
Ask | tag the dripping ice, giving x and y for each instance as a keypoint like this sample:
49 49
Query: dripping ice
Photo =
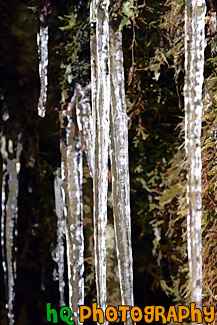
194 69
58 254
9 221
42 42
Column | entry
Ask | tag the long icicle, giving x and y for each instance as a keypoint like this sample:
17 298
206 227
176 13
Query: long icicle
194 67
74 220
10 225
42 41
85 122
3 226
120 171
9 217
59 250
100 108
4 155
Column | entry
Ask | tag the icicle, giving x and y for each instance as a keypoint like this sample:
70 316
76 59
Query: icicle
120 170
100 108
194 66
3 224
85 122
63 168
42 41
59 250
72 189
93 48
4 154
9 221
11 211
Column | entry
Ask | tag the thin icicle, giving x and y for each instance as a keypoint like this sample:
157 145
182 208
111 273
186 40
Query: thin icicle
93 59
3 224
59 250
63 169
85 122
72 172
4 154
100 108
120 171
9 220
42 41
194 67
11 210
